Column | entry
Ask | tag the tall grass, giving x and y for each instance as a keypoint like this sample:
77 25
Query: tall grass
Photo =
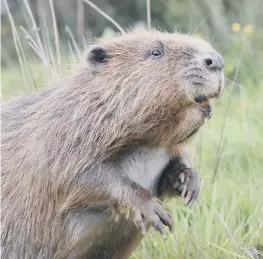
227 220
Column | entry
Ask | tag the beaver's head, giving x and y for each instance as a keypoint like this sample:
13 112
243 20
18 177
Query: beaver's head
149 78
152 59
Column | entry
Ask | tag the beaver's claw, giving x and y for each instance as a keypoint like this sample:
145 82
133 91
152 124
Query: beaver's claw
188 185
153 212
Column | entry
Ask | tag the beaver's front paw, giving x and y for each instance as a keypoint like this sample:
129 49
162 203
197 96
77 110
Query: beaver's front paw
179 180
187 184
152 211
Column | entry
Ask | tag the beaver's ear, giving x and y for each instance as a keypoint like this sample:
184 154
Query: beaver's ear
97 55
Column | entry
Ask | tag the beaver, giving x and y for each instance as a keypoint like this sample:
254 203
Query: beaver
84 160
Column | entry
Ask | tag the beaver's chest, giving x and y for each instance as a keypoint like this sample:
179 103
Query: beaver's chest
118 239
144 166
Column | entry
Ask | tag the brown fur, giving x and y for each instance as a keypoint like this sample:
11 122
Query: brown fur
58 146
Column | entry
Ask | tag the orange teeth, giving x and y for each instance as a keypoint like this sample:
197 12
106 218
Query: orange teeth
205 103
201 100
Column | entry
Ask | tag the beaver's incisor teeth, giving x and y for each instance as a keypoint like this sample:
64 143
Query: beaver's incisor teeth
201 100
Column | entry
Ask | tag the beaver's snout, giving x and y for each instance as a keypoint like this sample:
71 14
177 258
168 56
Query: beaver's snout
213 61
204 76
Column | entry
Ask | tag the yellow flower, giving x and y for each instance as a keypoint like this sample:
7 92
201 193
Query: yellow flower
248 28
229 67
236 27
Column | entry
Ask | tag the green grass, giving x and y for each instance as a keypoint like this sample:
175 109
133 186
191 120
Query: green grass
13 84
227 219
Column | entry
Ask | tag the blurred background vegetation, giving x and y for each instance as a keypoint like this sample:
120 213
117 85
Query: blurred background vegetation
40 39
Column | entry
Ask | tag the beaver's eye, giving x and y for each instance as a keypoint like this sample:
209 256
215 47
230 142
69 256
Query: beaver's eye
156 52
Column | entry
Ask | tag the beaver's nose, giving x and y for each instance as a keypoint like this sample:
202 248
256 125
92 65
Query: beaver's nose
214 61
